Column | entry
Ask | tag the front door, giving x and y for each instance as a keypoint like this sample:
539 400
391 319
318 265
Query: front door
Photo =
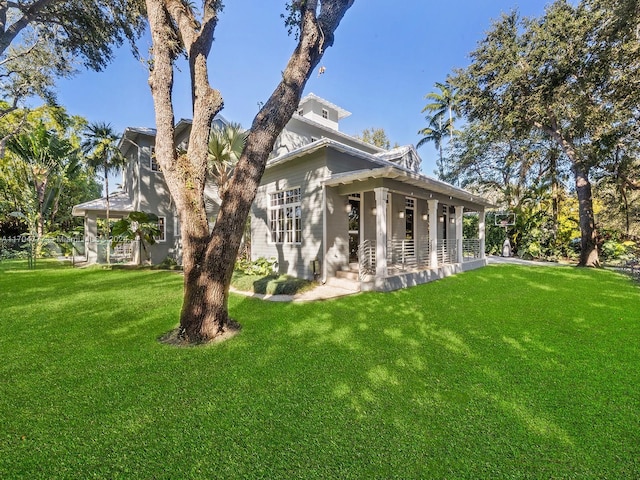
354 228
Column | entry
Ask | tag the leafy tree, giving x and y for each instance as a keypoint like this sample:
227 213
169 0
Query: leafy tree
375 136
101 146
139 226
225 148
208 257
435 132
43 161
559 75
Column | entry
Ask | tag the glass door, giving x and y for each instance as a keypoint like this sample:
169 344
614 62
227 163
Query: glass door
354 227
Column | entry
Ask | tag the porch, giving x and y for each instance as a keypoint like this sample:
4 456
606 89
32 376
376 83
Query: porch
402 229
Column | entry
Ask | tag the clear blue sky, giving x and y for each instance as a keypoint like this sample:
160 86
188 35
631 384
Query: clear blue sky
384 60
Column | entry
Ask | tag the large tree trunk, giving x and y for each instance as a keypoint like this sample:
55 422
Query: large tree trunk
209 259
589 236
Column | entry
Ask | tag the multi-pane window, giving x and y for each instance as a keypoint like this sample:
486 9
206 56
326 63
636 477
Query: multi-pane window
153 162
325 113
162 226
286 216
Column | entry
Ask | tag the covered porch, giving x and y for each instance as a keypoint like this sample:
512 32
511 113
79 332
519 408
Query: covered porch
402 228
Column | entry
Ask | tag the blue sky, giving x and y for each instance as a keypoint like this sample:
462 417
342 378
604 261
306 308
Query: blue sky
384 60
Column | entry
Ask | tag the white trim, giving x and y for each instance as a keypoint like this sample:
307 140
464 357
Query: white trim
163 236
282 208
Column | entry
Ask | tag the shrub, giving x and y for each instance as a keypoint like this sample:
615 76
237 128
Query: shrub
261 266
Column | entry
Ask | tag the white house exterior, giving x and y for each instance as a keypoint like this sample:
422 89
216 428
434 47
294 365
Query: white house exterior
329 206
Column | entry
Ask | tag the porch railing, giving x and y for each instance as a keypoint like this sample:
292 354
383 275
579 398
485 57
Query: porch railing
470 249
402 254
405 254
367 258
447 251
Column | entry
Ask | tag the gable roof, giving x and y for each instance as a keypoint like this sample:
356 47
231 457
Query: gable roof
381 168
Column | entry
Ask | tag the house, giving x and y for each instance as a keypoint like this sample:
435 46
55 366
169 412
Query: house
329 206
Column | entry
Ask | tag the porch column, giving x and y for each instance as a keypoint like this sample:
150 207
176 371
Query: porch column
381 232
481 232
459 232
90 237
433 233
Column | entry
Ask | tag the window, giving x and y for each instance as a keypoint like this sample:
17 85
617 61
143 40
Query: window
153 164
286 216
301 112
176 226
162 226
325 113
409 215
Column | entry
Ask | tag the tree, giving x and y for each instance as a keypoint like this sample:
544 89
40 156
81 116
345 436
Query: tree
42 40
139 226
225 148
560 76
101 146
208 257
443 104
44 161
375 136
435 132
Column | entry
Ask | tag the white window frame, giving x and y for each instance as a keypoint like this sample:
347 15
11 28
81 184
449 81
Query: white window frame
325 113
152 162
176 226
285 217
162 225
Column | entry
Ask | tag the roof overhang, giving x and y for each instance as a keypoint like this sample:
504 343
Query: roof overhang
118 204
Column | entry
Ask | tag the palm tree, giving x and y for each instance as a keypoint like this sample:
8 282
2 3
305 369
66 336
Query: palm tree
46 159
139 226
443 103
225 147
101 147
435 132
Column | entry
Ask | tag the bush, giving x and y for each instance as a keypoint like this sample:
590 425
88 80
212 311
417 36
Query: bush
261 266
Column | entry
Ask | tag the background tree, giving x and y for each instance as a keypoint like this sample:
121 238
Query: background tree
209 257
101 147
558 75
435 131
42 161
225 148
375 136
140 226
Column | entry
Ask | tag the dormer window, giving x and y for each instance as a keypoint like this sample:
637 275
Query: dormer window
325 113
301 112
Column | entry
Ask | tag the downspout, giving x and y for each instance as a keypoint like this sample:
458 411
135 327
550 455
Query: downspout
324 234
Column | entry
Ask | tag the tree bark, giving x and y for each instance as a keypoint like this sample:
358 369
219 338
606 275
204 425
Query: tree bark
589 237
209 259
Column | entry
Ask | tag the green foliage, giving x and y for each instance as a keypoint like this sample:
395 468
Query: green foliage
375 136
261 266
137 226
495 373
270 284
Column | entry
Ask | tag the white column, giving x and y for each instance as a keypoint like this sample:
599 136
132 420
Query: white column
433 233
481 231
459 234
90 237
381 232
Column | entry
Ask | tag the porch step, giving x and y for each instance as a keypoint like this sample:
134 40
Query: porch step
348 274
351 267
345 283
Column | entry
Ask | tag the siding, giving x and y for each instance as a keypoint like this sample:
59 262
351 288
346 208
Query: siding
308 174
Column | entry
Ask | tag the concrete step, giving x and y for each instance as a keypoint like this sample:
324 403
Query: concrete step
345 283
347 274
351 267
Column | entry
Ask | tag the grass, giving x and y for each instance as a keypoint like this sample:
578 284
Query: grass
503 372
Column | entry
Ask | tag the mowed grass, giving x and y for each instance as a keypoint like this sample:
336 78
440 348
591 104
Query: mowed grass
503 372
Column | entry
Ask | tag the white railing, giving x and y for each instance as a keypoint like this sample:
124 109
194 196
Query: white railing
447 251
470 249
402 254
367 258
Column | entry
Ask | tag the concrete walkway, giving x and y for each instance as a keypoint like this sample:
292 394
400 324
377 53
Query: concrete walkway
493 259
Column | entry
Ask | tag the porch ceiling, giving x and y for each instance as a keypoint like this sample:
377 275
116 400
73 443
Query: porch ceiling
409 178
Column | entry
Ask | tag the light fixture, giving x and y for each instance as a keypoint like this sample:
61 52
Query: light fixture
348 207
374 211
401 214
441 219
425 216
453 220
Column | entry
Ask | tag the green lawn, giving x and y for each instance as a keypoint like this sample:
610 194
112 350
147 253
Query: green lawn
503 372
